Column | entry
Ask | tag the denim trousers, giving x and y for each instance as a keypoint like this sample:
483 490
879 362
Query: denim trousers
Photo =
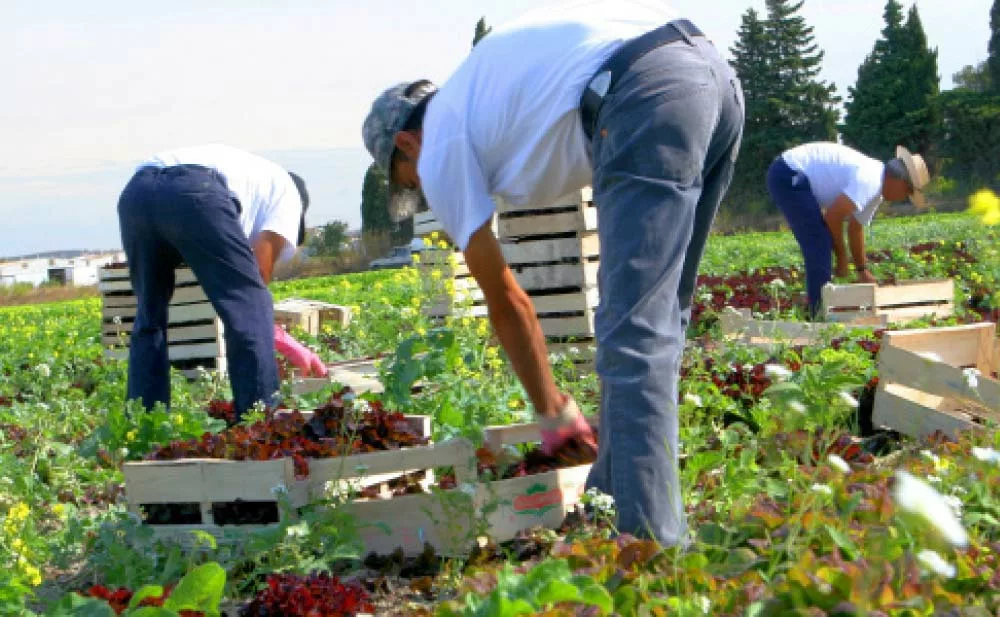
793 195
186 213
664 148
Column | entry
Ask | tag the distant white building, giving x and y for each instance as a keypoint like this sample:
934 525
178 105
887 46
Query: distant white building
79 271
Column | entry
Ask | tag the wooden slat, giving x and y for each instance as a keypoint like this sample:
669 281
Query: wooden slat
563 303
196 351
849 296
911 313
915 413
568 326
115 282
201 480
967 345
182 295
176 314
897 365
535 278
445 520
582 219
579 197
111 333
914 292
457 453
551 250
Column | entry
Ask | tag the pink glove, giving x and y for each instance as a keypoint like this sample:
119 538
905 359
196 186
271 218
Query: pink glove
298 354
568 425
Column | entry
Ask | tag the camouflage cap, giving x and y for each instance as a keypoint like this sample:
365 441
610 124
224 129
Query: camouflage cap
388 116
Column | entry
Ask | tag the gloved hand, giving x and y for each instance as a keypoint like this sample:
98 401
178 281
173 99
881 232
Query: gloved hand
568 426
298 354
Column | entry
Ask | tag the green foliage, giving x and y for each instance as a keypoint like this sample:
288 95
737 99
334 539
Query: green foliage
786 104
993 61
892 102
330 240
975 78
969 141
481 31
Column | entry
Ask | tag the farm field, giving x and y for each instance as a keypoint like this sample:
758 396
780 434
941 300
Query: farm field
796 505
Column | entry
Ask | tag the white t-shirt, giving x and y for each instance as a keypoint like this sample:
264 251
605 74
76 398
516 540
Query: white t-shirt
507 122
834 169
267 194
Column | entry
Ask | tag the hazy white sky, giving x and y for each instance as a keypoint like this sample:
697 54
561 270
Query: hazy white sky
90 87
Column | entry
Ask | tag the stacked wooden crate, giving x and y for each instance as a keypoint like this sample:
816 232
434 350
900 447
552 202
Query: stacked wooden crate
195 336
554 253
938 379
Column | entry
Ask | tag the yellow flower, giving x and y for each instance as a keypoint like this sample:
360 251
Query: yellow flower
483 327
442 244
986 205
18 546
416 259
131 435
421 331
58 509
30 572
19 512
177 419
434 236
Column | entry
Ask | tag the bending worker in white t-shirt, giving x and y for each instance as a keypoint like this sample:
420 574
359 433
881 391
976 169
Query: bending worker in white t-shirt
644 109
818 186
230 216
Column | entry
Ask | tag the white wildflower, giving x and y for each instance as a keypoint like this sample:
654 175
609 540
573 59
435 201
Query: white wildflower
694 399
797 406
777 371
936 563
44 370
847 398
299 530
601 501
777 283
987 455
917 497
971 377
822 489
839 463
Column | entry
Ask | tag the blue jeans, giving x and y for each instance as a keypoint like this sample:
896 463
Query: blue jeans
664 149
187 213
793 195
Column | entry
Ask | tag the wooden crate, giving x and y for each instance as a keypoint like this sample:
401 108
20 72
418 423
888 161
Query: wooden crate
195 334
517 504
922 386
740 325
905 301
210 485
310 315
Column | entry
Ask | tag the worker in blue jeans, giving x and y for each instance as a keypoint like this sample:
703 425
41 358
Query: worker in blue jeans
231 216
640 105
822 187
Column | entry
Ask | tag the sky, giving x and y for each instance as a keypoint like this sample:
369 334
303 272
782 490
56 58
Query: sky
91 88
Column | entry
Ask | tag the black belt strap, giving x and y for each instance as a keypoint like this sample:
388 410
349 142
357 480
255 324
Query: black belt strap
619 62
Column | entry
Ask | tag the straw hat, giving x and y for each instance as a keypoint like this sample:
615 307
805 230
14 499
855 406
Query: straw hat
918 178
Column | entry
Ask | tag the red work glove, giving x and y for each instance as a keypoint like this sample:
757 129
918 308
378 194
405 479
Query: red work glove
298 354
569 426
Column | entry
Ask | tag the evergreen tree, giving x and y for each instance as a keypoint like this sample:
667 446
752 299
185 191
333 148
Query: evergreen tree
481 31
786 104
994 58
375 201
892 101
751 65
804 106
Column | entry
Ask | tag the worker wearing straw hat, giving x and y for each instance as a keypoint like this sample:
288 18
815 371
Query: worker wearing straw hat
821 185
